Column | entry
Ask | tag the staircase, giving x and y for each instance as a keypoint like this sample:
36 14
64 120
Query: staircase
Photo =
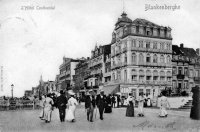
187 105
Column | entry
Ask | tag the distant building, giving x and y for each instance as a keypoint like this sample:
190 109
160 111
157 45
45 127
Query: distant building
44 88
66 73
186 69
82 73
97 66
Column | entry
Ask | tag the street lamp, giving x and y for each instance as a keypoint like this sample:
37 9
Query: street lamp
12 86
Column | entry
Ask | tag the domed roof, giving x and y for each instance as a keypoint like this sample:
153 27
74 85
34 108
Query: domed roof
124 18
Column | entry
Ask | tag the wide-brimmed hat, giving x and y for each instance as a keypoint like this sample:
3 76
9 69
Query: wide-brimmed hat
71 92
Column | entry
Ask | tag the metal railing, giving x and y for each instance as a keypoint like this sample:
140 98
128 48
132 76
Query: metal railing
18 104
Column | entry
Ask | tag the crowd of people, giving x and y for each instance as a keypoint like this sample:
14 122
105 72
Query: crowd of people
94 102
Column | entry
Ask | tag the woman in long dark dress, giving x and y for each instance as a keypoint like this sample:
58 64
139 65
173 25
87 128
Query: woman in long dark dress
108 108
130 106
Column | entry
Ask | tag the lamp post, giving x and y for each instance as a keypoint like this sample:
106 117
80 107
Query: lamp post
12 86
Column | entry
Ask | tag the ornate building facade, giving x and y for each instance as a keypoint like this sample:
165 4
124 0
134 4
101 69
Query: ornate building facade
141 53
98 67
186 69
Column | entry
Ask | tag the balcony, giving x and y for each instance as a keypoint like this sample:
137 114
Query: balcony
180 76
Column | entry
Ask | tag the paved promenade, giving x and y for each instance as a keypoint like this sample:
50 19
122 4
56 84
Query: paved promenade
28 121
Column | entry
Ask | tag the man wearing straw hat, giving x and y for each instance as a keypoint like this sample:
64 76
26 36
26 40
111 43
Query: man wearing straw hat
101 101
90 105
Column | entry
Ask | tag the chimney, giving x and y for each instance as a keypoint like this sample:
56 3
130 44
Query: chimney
198 51
181 45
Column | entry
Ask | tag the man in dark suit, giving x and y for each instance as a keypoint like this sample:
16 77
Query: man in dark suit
101 101
90 105
61 104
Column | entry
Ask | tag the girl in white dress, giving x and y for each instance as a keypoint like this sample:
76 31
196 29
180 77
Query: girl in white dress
163 105
72 102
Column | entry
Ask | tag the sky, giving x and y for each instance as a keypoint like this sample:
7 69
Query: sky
33 42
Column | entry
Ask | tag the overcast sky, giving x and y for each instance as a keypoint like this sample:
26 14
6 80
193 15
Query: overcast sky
33 42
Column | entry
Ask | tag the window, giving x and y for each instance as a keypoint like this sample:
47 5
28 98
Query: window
168 46
162 59
174 70
148 78
169 79
148 33
134 77
186 71
155 59
162 78
141 78
119 59
186 85
180 70
141 44
162 46
148 59
133 43
133 30
134 58
174 84
125 44
148 92
141 58
141 91
191 73
154 45
125 58
119 75
113 76
148 45
155 75
155 78
168 59
125 75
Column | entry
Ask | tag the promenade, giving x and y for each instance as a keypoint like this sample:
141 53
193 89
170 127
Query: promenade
28 121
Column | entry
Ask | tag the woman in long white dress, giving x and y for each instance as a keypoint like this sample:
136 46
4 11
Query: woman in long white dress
42 103
141 104
48 108
163 105
72 102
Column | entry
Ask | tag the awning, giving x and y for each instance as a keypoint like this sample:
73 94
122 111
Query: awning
111 89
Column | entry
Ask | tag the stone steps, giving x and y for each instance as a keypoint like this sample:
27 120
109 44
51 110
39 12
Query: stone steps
187 105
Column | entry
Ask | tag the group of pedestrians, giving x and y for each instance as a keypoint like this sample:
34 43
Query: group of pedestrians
131 101
48 103
93 103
